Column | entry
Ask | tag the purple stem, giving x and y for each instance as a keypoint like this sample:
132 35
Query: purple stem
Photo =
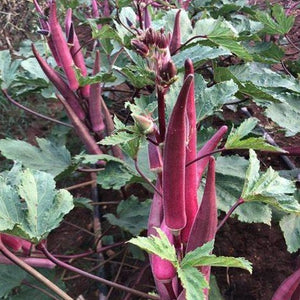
94 277
229 213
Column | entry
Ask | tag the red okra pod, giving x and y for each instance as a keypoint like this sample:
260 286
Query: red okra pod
175 42
62 48
205 225
162 269
174 163
45 26
95 107
288 287
191 183
59 83
209 146
147 18
76 52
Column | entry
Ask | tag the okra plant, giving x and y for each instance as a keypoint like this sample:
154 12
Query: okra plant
180 62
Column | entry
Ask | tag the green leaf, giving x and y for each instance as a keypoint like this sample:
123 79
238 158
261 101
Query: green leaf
290 225
94 158
114 176
139 76
83 202
42 210
192 257
221 33
209 100
49 157
119 137
34 70
287 114
278 22
224 261
230 177
198 54
8 69
193 282
132 215
101 77
269 188
235 139
157 245
10 277
214 291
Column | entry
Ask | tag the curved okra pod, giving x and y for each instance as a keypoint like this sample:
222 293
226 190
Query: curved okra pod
191 183
62 48
175 42
174 163
76 52
288 287
209 146
205 225
59 83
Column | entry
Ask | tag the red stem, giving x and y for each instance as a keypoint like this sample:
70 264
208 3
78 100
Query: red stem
229 213
94 277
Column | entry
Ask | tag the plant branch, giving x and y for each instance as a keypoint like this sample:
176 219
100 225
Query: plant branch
43 291
94 277
205 155
14 102
229 213
146 178
33 272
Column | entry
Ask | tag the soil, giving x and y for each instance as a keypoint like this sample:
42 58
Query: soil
263 245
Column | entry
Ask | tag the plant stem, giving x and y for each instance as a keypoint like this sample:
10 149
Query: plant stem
94 277
229 213
33 286
205 155
79 185
14 102
33 272
146 178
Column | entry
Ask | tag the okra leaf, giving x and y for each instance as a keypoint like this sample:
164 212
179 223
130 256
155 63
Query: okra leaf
12 285
235 139
132 215
114 176
276 23
192 257
230 178
33 208
198 54
290 226
94 158
269 188
287 114
10 277
102 77
8 69
193 282
208 99
49 157
157 245
223 261
120 137
223 34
